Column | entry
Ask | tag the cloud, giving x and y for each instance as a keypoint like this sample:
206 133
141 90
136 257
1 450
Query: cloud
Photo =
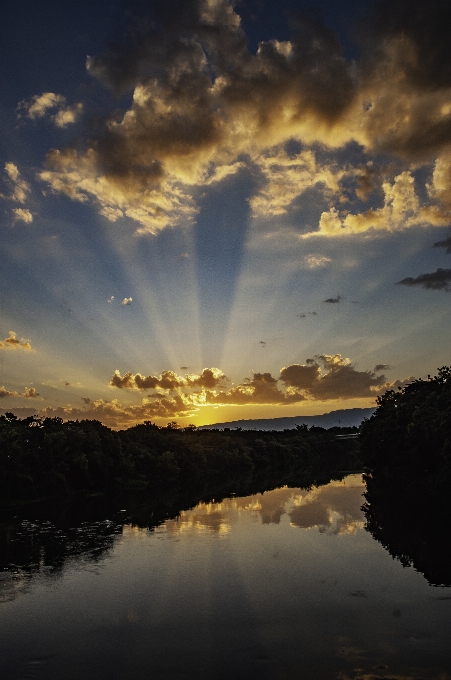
438 280
332 301
23 215
401 210
341 381
13 343
69 115
30 393
446 243
316 261
262 389
321 378
110 300
127 301
201 102
287 178
114 414
38 105
204 107
168 380
19 188
6 393
381 367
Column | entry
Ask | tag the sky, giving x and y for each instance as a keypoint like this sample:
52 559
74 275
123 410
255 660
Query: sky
215 210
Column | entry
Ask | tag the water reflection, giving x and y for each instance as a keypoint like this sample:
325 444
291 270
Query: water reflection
40 541
333 508
411 520
278 584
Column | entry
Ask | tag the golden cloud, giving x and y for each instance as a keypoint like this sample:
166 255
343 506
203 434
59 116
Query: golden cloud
30 393
23 215
287 178
38 105
69 115
13 343
6 393
321 378
114 414
168 380
204 107
187 127
19 188
401 209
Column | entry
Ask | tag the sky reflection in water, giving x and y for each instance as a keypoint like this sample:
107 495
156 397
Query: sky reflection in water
284 584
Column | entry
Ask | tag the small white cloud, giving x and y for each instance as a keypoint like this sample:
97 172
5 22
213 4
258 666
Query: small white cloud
316 261
23 215
110 300
127 301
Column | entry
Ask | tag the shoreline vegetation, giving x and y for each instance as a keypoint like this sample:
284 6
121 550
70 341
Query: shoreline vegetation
48 457
407 446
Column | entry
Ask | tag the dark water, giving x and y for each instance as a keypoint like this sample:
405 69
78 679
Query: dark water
286 584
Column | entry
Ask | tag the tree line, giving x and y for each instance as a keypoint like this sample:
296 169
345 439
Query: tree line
46 456
410 432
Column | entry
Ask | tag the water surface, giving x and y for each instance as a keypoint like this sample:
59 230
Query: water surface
281 584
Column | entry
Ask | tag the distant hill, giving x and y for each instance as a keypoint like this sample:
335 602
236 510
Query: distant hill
345 418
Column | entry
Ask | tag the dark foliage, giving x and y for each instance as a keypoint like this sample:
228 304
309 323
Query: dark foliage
47 457
407 445
410 431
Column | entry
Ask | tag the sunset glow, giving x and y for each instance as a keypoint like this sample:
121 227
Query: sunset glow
216 210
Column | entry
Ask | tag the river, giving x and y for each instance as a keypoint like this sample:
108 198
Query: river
285 584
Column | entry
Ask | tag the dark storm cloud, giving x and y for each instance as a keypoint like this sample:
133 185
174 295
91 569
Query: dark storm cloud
426 26
406 72
333 300
446 243
439 280
185 33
